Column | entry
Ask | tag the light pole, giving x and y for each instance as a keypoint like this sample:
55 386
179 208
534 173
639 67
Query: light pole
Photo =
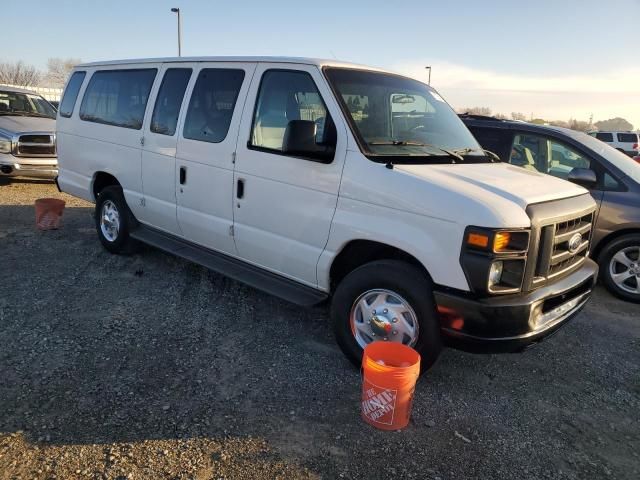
177 10
429 68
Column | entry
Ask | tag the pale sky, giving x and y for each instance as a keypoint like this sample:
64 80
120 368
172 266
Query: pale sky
606 94
555 59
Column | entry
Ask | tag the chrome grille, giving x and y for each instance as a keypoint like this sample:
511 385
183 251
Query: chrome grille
36 145
564 246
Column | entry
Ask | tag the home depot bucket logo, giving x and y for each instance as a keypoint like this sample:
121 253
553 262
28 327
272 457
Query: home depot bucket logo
379 404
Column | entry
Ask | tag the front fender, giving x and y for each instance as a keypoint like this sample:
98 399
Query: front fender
434 242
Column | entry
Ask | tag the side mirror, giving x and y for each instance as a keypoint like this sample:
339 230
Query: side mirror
300 139
584 177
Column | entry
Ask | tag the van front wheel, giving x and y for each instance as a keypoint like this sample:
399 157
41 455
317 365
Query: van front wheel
113 221
386 300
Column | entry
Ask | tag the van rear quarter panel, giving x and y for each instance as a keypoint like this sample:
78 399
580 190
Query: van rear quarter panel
85 148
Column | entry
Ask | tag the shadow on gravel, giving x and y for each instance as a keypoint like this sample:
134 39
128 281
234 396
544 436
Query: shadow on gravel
98 349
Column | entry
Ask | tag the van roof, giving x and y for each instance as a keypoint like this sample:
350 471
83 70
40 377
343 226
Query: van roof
256 59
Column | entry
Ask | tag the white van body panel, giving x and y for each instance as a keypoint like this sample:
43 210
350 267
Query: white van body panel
96 147
205 201
159 166
495 185
283 221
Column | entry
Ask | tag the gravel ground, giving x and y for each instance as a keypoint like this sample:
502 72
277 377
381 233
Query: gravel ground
149 367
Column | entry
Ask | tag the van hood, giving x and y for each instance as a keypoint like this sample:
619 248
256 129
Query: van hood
521 186
12 124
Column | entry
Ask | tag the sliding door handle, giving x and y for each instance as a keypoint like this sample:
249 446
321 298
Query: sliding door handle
183 175
240 188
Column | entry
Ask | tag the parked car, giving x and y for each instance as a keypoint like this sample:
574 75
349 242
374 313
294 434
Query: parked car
55 104
626 142
27 134
315 179
612 178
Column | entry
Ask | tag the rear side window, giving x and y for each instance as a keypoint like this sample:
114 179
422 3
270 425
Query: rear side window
118 97
71 94
605 137
628 137
212 103
169 100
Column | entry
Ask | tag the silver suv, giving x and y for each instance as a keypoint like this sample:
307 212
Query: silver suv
27 134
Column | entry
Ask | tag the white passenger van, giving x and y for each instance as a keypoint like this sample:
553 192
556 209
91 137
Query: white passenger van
316 180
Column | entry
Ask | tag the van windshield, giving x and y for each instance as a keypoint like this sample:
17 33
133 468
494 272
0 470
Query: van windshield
394 116
25 104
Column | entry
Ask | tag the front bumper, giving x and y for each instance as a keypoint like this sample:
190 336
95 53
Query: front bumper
513 322
11 166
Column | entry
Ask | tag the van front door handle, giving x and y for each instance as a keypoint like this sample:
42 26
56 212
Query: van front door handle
183 175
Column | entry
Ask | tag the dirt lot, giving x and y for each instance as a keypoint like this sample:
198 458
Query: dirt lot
149 367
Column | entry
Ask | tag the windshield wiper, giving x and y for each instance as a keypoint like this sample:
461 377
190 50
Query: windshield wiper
412 143
488 153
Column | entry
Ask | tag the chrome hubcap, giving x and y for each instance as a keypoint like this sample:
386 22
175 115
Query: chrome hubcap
624 269
109 221
383 315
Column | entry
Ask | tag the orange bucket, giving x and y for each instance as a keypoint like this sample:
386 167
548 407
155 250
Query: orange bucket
390 372
48 213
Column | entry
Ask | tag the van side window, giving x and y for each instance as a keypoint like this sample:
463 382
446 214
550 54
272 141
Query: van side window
71 94
628 137
212 103
169 100
605 137
286 96
118 97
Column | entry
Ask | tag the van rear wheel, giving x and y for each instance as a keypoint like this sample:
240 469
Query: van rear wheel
386 300
114 221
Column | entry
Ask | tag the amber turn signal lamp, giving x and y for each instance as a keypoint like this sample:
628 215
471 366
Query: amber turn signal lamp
501 241
478 240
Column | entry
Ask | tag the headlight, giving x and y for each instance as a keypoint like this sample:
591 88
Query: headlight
5 145
494 260
495 273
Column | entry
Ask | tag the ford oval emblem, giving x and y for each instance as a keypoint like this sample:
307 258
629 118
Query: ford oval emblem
575 243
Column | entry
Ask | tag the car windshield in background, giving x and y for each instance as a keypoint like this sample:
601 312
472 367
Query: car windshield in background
400 117
25 104
620 160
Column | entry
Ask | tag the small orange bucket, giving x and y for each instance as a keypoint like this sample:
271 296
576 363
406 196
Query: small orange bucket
48 213
390 371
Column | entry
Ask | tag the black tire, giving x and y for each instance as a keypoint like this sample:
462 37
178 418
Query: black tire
402 278
122 244
605 257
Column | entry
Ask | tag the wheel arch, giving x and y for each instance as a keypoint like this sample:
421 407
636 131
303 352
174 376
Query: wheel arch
356 253
100 181
606 240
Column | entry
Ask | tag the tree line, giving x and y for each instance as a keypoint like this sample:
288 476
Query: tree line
616 123
20 73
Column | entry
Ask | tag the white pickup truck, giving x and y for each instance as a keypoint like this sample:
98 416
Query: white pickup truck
27 134
317 180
